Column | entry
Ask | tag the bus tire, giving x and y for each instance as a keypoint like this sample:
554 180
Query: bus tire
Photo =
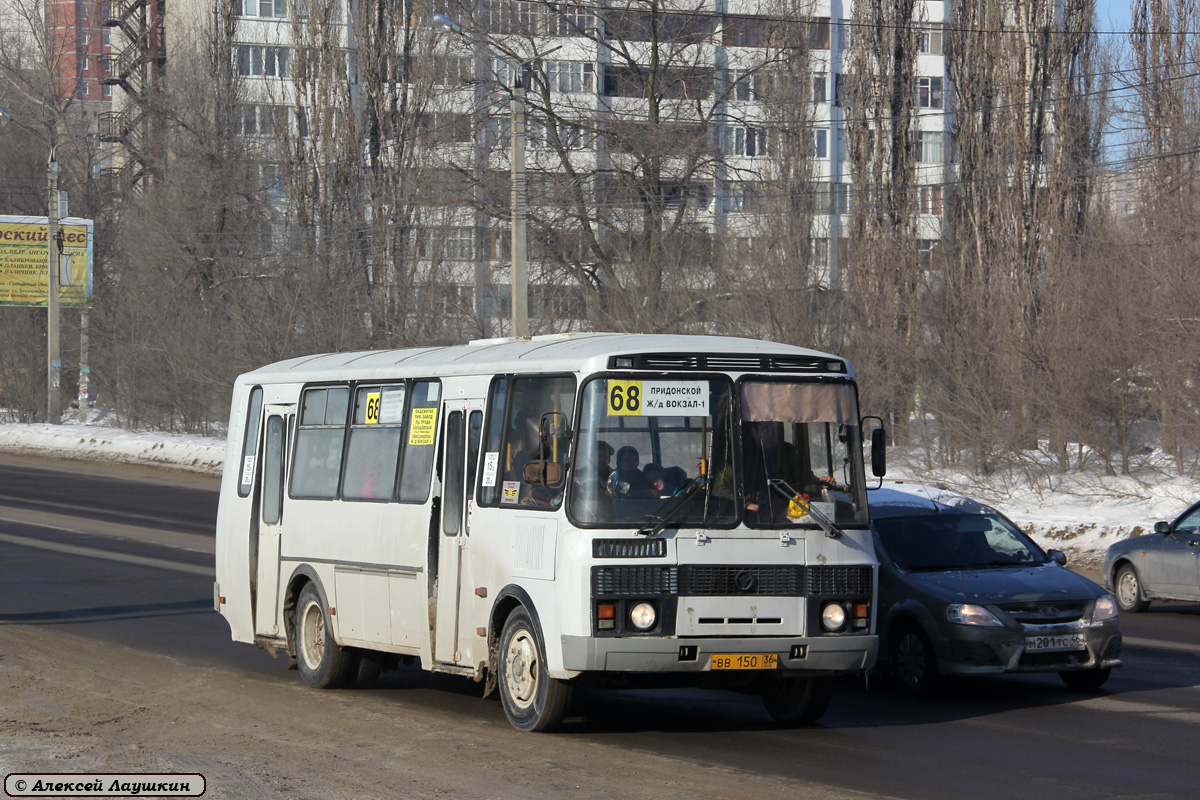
533 701
797 701
322 663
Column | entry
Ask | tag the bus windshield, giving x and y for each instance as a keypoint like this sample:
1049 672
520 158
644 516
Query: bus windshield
642 442
801 449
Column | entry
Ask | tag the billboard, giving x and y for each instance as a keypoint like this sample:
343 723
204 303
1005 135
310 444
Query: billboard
23 261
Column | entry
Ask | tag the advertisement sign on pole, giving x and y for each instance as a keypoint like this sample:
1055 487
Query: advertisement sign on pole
23 259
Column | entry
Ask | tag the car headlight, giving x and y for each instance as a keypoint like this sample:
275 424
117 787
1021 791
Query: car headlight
642 616
833 617
971 614
1105 609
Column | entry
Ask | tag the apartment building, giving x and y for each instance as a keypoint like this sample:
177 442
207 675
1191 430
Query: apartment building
722 127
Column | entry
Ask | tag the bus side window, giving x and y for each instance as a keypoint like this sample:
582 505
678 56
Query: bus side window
373 452
319 442
525 445
489 493
419 452
250 442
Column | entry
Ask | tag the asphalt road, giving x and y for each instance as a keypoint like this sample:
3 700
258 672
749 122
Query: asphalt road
128 562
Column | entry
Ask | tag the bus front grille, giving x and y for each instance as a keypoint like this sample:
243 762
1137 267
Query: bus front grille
704 580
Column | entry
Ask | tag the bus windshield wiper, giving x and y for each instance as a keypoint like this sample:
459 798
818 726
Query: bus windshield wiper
823 522
662 517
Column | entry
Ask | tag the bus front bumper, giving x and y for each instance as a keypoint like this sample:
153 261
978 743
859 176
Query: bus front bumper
818 654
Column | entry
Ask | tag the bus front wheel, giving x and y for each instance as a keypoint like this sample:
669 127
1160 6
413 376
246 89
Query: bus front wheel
797 701
322 663
533 701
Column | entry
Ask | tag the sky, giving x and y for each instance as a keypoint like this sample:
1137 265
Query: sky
1080 514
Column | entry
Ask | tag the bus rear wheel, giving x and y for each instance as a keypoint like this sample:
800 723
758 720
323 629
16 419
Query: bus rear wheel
797 701
322 663
533 701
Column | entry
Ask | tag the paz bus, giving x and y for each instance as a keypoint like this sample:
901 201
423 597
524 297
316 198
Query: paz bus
539 514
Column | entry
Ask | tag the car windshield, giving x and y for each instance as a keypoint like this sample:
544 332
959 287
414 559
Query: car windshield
643 442
955 541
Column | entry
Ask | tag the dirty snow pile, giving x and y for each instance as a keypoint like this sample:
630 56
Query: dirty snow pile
1080 513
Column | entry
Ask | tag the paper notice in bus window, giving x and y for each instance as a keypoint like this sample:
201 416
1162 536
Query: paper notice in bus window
423 428
511 491
248 471
491 465
391 406
435 391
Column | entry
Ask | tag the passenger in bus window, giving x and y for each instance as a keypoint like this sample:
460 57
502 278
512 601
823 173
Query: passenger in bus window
628 481
592 474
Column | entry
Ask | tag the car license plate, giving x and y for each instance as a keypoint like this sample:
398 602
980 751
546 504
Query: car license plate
744 661
1070 641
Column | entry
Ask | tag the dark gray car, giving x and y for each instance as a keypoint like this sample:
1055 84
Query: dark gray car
1164 565
962 591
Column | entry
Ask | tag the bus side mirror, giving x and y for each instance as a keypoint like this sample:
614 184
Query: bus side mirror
547 474
878 452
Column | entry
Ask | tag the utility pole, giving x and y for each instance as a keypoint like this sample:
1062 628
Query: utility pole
520 209
54 259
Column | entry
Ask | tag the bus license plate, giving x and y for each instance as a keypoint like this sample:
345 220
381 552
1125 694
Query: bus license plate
744 661
1070 641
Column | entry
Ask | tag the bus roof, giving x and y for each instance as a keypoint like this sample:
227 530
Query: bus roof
567 352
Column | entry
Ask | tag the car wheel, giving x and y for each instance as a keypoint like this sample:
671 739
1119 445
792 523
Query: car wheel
911 661
1129 590
322 663
1086 680
533 701
797 701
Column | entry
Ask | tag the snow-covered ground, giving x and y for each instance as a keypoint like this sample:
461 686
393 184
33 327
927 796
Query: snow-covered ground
1080 513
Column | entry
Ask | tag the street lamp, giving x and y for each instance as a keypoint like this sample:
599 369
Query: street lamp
520 204
53 259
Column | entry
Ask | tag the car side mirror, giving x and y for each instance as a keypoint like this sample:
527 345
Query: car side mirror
1058 557
1162 527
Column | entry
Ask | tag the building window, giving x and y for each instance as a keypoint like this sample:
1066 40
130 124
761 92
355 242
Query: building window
930 147
931 200
460 244
265 9
105 91
256 60
926 253
554 135
742 140
570 76
820 143
930 39
818 33
929 92
742 196
819 82
569 19
452 70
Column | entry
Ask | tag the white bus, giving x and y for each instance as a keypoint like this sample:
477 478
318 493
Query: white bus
541 513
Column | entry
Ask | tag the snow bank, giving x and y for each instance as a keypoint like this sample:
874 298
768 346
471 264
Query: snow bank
1080 513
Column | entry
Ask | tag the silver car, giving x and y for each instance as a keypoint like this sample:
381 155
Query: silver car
1164 565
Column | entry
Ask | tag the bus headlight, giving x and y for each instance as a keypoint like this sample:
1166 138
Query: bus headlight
642 616
833 617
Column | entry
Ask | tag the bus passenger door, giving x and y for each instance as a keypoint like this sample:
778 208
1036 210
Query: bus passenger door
277 423
463 426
